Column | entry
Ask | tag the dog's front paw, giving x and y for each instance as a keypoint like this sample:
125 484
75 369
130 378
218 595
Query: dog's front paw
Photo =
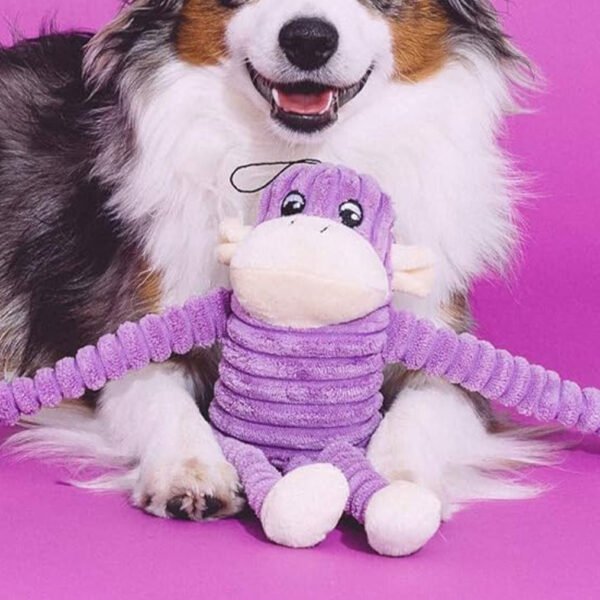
190 490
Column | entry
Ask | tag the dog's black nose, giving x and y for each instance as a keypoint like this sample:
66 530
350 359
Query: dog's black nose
309 43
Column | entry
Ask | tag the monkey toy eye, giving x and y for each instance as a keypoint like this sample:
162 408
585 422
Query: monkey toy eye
293 204
351 213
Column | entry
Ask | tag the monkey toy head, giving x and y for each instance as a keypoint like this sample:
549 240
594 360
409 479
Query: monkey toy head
322 252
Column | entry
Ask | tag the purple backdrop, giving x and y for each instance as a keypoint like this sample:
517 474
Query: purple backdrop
63 543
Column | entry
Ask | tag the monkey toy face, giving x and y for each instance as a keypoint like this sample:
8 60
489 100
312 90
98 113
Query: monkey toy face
322 253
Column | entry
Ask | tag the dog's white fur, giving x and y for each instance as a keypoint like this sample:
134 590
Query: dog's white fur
431 145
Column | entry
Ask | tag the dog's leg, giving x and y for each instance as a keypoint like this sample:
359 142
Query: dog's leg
434 436
152 417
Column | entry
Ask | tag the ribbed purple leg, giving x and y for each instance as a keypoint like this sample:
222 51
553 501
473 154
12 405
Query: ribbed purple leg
364 481
301 460
257 474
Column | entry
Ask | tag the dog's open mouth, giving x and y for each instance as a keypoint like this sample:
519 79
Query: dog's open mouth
305 106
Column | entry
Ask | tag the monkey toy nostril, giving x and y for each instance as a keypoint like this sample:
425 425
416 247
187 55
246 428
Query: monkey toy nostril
309 43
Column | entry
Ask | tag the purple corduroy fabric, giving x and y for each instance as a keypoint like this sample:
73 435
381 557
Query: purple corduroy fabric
287 397
363 480
304 358
26 398
9 411
254 469
479 367
155 338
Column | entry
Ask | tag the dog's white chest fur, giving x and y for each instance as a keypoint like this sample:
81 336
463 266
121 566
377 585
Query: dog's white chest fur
431 146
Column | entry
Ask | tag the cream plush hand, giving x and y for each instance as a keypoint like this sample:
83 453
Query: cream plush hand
231 233
413 268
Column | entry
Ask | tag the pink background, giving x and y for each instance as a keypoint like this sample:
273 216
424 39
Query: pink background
62 543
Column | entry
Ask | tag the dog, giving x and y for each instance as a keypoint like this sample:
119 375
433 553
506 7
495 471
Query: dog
115 156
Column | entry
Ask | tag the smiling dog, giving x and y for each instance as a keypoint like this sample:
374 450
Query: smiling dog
115 155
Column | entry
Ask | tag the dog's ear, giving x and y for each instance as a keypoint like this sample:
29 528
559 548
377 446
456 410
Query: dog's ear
474 14
478 21
114 46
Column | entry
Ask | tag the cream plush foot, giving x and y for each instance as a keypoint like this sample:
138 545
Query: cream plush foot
401 518
305 505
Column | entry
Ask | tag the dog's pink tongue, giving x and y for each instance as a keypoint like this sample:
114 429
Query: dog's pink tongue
304 104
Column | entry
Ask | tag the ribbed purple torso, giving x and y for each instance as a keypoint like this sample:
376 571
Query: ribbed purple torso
293 392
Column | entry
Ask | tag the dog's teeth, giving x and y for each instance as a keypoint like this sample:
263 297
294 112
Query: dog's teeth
276 96
329 104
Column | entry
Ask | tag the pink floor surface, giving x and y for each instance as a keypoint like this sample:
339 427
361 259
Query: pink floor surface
61 543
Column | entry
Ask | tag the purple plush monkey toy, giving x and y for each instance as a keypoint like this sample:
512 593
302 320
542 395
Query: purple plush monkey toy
305 335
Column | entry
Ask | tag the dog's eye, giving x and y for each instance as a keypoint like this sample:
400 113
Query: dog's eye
386 6
351 213
294 204
232 3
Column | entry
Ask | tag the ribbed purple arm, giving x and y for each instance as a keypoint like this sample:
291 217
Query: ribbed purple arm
199 323
495 374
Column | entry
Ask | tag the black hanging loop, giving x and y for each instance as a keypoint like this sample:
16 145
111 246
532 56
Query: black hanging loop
285 164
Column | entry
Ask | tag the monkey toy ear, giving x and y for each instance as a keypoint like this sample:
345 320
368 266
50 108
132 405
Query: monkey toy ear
413 270
231 233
